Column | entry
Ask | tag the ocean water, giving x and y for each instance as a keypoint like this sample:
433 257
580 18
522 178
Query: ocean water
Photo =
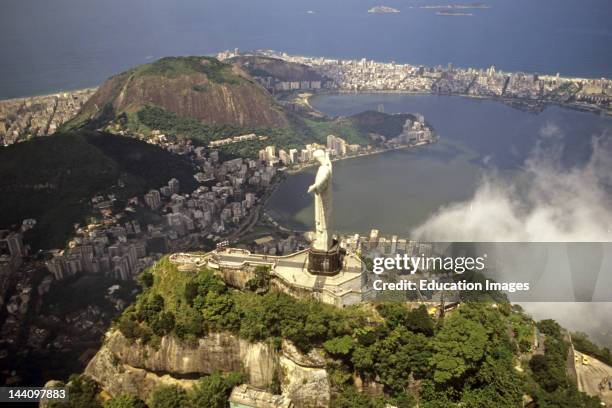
66 44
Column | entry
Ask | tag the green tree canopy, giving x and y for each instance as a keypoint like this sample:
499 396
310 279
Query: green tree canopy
400 354
171 396
125 401
458 347
83 391
416 320
339 346
214 390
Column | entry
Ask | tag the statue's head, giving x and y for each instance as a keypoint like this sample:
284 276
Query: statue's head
320 156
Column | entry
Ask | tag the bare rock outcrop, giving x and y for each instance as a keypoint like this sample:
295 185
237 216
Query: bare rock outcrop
119 378
216 352
122 366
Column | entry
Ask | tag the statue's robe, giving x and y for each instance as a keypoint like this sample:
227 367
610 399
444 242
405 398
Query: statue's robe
323 207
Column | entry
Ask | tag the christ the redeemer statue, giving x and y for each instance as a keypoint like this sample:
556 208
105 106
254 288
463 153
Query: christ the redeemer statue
323 201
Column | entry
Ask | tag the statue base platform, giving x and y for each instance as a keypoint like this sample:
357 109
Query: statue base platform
328 263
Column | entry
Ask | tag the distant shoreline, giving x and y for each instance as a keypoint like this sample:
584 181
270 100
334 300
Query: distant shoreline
506 101
356 156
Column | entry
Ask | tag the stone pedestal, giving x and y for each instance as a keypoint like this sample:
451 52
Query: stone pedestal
327 263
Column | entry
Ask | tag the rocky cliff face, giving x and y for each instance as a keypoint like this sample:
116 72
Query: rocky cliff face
124 367
201 88
118 378
216 352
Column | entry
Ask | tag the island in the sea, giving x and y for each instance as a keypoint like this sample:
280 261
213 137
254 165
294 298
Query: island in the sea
383 10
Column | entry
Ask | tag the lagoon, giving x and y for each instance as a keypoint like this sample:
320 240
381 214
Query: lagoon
398 190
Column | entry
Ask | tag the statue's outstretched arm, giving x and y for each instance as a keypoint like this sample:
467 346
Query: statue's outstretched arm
321 178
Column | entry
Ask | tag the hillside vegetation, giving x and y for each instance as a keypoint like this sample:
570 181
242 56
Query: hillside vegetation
354 129
357 128
295 136
53 179
172 67
276 68
467 359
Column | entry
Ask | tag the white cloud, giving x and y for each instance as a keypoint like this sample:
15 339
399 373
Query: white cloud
545 202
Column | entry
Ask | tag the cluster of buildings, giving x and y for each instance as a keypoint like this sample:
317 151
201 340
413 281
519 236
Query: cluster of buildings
235 139
490 83
23 118
384 246
415 132
218 208
98 248
16 282
275 85
367 75
336 148
280 246
12 252
120 246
